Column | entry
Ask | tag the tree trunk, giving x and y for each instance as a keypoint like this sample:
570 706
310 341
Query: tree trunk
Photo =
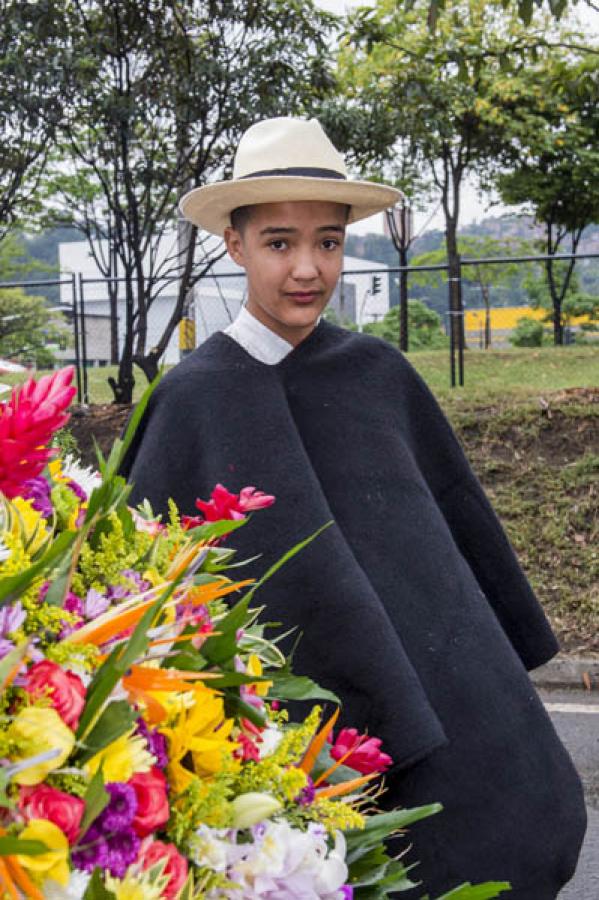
403 301
122 388
558 330
485 293
149 363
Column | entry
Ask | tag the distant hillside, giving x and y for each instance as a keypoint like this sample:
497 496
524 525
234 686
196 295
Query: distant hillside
380 248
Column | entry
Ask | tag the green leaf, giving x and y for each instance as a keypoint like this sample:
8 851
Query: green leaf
115 720
478 891
96 799
381 826
236 707
298 687
11 845
121 657
10 661
219 648
56 593
525 10
14 586
95 888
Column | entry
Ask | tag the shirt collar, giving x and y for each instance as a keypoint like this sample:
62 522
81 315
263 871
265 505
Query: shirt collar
257 339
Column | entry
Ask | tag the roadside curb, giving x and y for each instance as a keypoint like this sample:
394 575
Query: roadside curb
581 672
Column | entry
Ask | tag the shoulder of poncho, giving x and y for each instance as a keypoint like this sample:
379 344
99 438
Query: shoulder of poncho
182 378
376 349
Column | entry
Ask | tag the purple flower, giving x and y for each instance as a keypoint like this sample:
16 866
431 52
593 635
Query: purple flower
5 647
117 592
141 584
307 794
11 618
38 490
121 809
95 604
123 849
92 851
156 743
77 490
73 604
347 891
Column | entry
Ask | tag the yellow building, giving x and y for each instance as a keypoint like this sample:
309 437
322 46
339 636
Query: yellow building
503 321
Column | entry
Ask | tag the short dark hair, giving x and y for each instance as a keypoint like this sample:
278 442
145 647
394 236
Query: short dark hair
242 215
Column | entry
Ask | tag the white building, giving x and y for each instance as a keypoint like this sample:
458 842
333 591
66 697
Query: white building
217 298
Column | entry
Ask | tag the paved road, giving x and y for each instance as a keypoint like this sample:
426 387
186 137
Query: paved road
575 715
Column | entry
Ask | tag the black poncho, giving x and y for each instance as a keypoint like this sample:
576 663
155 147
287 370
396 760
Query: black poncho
413 607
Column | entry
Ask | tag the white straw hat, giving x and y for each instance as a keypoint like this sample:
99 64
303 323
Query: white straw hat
279 160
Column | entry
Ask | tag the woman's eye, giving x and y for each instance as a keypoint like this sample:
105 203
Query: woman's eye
330 244
277 245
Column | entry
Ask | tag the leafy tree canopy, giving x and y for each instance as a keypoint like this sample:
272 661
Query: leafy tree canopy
424 325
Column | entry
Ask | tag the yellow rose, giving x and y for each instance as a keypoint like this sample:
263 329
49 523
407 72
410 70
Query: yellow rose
35 730
54 863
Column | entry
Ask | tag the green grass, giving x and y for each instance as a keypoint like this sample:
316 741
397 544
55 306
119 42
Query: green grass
520 373
489 375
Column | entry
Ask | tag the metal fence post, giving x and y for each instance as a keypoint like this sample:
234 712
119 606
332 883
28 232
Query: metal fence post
83 340
76 336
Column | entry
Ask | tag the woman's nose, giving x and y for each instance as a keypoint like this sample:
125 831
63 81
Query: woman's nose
305 267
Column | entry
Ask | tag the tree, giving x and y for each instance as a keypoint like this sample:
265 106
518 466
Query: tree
553 165
528 332
28 102
424 326
28 329
525 8
485 277
445 95
157 94
575 304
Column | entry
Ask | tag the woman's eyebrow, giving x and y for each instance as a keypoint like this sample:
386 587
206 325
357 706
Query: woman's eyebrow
338 228
274 229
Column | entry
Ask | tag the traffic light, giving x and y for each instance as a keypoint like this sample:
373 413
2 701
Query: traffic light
376 284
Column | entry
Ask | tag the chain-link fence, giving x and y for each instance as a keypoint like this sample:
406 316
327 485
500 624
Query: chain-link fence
485 302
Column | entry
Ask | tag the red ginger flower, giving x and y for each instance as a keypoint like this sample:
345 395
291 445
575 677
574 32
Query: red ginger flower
365 756
35 411
224 505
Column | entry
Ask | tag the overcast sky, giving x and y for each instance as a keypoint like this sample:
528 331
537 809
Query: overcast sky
473 207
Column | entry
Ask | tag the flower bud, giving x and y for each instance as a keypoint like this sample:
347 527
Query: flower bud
251 808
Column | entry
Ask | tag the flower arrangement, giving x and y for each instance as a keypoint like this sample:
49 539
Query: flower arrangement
145 749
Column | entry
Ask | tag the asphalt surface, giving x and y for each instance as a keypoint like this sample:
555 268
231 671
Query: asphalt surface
575 714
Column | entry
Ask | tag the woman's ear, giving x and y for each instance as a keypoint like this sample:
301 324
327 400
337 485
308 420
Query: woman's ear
234 245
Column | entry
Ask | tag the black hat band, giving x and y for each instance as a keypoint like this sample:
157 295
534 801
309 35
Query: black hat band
304 172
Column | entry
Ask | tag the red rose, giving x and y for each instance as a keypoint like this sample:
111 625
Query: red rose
176 866
152 801
65 690
45 802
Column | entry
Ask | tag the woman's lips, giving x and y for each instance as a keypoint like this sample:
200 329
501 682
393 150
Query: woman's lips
304 296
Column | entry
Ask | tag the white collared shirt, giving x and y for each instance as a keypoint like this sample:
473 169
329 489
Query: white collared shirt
258 340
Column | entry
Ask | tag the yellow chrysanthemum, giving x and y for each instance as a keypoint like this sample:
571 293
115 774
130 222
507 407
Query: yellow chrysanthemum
122 759
31 525
136 886
202 731
35 730
54 863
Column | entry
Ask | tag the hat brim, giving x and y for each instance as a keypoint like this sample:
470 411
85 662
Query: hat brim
209 207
